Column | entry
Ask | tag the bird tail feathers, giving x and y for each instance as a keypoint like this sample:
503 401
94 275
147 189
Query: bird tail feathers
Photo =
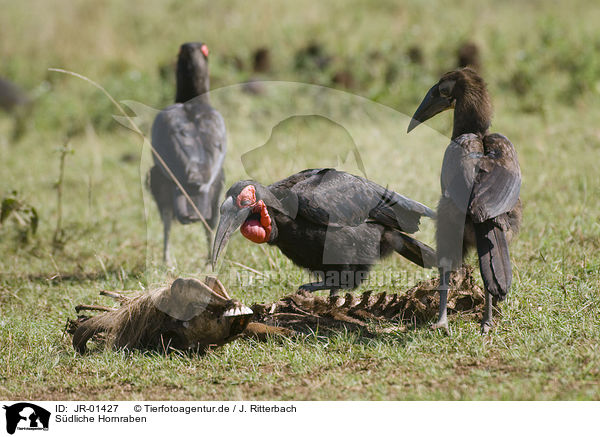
494 258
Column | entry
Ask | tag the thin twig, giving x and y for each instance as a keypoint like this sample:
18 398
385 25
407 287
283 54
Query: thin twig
117 295
79 308
583 308
58 275
18 218
56 239
246 267
102 265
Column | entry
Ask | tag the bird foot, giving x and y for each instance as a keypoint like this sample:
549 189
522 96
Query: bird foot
441 325
486 326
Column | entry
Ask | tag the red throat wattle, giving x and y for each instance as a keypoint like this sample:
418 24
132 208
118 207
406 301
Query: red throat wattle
257 227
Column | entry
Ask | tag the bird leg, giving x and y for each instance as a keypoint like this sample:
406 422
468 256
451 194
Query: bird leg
442 322
167 216
486 322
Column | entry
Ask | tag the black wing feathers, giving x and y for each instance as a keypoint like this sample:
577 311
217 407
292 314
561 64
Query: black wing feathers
481 176
396 211
498 183
333 198
191 139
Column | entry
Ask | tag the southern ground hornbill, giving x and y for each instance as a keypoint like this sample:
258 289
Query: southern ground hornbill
190 137
330 222
481 181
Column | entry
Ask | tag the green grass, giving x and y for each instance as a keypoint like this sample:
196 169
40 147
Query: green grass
541 63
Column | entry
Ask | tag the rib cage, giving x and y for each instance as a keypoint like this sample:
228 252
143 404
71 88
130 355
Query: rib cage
305 312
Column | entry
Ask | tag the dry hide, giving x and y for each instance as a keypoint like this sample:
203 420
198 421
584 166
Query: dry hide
189 314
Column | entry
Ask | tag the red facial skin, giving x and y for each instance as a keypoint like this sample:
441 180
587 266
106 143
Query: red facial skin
257 231
204 50
247 197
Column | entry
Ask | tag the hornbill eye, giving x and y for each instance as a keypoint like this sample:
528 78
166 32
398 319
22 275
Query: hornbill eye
247 197
446 88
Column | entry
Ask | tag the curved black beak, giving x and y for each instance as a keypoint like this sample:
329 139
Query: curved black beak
231 219
433 103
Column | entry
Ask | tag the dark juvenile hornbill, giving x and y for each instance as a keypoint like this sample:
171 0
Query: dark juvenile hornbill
332 223
481 181
190 137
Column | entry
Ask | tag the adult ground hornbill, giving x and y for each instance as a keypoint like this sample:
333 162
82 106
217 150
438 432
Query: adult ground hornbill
190 138
481 180
333 223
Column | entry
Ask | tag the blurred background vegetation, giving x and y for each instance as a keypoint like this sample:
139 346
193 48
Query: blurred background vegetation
534 55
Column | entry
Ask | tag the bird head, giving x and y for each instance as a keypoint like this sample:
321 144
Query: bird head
192 71
462 88
246 206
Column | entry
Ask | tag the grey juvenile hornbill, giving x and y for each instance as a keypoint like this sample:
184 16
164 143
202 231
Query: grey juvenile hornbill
190 137
333 223
481 180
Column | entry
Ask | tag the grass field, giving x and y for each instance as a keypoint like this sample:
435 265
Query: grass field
542 66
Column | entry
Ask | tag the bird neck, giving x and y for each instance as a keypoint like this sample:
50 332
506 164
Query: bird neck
472 113
189 88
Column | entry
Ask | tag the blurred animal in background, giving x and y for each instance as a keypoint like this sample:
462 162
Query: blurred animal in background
343 78
11 96
190 139
332 223
261 60
468 55
16 102
312 57
481 182
261 64
415 54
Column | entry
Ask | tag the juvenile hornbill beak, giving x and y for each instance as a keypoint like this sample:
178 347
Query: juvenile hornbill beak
433 103
231 219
